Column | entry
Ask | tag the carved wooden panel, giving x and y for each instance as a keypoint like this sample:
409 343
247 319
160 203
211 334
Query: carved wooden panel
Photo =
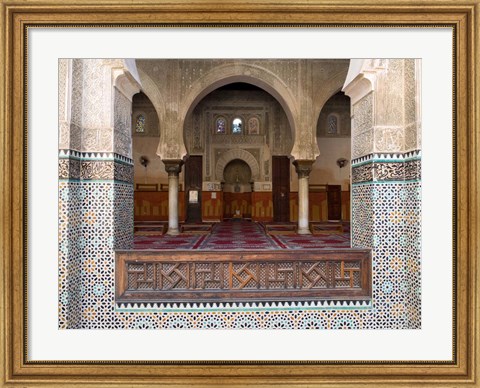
274 275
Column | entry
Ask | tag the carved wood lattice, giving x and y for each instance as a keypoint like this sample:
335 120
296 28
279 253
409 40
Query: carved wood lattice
244 277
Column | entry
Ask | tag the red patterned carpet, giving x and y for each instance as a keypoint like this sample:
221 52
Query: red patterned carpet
313 241
241 235
164 241
238 235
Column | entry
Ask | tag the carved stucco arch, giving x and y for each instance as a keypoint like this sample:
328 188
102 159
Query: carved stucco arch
230 155
333 88
247 73
167 148
151 90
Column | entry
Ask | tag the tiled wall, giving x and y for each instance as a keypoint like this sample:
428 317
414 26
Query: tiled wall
386 212
96 217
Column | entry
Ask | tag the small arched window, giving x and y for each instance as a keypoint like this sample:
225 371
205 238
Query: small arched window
332 124
220 125
140 124
237 125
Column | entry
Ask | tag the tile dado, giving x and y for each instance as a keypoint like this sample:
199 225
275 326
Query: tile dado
94 166
387 167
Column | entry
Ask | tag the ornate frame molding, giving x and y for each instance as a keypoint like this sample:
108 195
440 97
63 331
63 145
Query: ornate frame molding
18 15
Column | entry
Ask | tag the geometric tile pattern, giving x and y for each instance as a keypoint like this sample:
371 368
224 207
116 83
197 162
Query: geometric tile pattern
96 217
386 214
412 241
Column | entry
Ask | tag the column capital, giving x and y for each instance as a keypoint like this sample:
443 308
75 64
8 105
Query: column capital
303 167
173 166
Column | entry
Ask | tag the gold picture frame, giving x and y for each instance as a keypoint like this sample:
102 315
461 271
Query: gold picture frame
19 15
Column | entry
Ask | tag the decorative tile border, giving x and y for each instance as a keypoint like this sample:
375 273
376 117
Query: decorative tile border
362 173
263 306
388 157
386 167
94 166
413 170
73 154
68 169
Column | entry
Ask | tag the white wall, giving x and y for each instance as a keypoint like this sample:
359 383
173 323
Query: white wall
325 169
155 171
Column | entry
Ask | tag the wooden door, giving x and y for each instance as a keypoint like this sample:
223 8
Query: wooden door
193 189
334 200
281 188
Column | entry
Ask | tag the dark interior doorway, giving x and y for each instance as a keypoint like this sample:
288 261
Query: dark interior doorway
334 200
281 188
193 189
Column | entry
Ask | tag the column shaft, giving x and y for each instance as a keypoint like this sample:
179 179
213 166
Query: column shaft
303 169
303 206
173 205
173 168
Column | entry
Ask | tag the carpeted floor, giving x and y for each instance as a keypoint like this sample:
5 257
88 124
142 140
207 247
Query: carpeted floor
164 241
238 235
241 235
313 241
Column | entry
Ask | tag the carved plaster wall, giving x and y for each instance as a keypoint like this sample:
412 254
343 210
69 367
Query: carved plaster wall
270 135
338 106
94 114
236 154
237 176
412 113
300 86
362 126
145 143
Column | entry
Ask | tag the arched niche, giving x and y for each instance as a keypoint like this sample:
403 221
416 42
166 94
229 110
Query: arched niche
243 155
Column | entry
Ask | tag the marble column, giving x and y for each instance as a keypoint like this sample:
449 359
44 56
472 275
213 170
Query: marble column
173 168
303 169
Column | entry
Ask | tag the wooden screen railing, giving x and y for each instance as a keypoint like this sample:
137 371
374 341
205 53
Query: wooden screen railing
222 276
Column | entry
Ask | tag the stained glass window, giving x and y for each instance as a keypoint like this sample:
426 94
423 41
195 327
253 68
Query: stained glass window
332 128
237 125
220 125
140 124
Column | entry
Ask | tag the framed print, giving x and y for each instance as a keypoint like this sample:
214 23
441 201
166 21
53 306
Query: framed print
372 281
193 196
